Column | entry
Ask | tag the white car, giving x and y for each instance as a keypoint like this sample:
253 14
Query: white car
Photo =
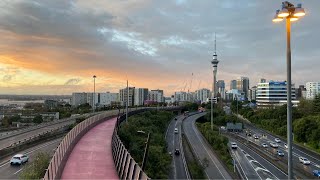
234 145
264 145
285 145
19 159
256 136
277 140
176 130
274 145
304 161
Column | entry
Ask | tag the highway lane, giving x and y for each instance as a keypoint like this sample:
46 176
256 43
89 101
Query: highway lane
12 172
31 128
262 166
298 151
179 166
202 150
315 162
20 137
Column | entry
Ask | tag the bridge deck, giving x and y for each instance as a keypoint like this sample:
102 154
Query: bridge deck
92 158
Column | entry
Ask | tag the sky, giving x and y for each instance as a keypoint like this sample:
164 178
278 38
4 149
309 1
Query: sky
55 47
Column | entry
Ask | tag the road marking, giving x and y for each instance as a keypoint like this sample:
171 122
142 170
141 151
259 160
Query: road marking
268 162
182 151
193 127
239 165
18 171
197 156
42 146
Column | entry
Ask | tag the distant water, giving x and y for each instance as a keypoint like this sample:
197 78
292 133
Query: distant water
19 103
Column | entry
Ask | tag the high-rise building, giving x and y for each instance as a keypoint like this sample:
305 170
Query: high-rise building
252 93
262 80
313 89
202 95
233 84
106 99
180 96
243 85
123 94
90 98
78 99
221 88
140 95
156 95
274 93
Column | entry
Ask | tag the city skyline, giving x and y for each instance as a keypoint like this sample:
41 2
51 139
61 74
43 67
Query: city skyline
50 47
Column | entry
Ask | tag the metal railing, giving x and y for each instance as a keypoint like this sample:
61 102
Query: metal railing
64 149
126 166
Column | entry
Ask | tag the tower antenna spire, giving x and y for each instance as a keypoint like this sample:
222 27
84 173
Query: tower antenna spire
215 43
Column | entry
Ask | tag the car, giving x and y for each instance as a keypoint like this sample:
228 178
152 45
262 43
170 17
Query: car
274 145
285 145
19 159
264 145
277 140
175 119
234 145
255 136
280 153
176 130
304 160
177 152
316 173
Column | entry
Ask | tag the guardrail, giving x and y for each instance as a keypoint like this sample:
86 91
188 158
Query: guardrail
64 149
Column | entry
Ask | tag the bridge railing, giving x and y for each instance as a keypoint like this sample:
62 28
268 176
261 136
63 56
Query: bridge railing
64 149
60 157
126 166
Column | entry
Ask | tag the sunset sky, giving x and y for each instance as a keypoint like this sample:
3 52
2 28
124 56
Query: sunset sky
56 46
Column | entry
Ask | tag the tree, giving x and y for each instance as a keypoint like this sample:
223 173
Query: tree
36 169
38 119
316 104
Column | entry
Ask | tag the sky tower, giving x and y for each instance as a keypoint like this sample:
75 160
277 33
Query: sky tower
214 63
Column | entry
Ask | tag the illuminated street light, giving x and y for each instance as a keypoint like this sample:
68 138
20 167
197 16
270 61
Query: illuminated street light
290 13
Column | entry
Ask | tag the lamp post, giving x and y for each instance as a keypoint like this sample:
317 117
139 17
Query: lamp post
290 13
145 154
94 93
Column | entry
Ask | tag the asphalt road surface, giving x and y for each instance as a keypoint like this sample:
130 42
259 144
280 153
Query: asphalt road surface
296 152
8 171
202 150
179 166
254 166
20 137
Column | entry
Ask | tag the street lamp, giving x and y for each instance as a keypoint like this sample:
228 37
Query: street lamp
290 13
145 154
94 93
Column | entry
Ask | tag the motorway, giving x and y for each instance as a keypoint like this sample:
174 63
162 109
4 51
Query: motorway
296 152
202 150
174 141
253 165
27 133
12 172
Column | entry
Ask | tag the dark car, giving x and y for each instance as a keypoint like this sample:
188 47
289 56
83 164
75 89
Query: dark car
316 173
175 119
177 152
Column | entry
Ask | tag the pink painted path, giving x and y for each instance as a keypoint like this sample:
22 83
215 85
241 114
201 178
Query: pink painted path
92 158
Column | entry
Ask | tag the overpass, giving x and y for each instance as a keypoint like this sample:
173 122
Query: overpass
93 150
